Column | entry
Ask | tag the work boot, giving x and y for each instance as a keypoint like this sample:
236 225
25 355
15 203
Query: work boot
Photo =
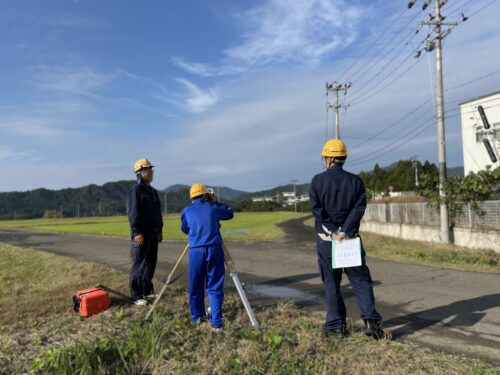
373 329
218 330
140 302
337 333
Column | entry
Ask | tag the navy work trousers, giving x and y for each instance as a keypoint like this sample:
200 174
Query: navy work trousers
361 283
206 269
143 266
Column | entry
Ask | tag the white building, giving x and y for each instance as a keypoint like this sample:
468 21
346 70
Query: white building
475 135
263 199
290 198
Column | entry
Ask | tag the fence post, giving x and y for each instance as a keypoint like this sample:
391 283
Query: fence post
470 215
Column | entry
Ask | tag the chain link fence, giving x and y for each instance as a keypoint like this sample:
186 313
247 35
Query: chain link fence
486 217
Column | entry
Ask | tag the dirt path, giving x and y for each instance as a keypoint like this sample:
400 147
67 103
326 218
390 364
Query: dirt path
454 311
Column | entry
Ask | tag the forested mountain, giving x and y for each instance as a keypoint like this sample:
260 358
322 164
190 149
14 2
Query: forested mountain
111 198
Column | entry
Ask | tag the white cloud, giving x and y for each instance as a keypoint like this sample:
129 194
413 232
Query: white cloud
30 127
196 99
9 154
280 31
76 80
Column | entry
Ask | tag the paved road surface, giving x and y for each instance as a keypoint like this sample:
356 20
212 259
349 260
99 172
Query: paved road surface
451 310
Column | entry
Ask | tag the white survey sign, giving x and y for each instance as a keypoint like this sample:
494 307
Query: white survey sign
346 253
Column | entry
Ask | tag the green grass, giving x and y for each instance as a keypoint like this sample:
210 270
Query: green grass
40 334
426 253
432 254
247 227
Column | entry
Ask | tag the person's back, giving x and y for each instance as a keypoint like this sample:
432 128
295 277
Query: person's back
200 221
338 200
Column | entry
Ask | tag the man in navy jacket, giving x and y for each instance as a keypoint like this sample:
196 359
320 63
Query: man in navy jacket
338 202
146 224
200 221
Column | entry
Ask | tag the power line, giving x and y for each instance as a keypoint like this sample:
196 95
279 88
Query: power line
367 96
481 9
382 49
398 52
379 133
453 88
373 44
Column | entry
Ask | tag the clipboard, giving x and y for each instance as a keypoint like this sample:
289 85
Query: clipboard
346 253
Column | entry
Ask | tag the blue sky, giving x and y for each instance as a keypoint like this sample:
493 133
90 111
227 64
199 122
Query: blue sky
224 92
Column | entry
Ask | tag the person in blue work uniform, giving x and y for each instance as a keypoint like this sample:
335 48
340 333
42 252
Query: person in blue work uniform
338 202
146 224
200 221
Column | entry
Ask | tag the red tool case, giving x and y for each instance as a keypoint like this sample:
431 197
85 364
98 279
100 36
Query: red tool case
91 301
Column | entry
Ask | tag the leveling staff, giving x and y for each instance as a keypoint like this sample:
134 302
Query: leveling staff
200 221
146 224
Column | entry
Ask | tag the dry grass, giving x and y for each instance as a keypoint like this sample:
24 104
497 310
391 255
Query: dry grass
432 254
52 339
426 253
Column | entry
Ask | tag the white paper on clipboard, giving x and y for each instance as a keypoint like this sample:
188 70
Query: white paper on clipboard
346 253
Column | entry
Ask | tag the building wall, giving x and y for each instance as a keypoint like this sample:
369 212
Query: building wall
470 238
476 157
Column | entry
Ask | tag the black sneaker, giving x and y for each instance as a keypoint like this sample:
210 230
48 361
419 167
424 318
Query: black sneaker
338 333
373 329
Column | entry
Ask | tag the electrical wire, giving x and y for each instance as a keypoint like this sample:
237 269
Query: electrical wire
371 95
382 49
373 44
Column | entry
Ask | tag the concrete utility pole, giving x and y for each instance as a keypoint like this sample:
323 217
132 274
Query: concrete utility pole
434 42
414 164
337 87
295 194
445 227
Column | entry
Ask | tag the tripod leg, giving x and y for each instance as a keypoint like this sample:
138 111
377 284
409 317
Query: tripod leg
244 299
166 283
234 275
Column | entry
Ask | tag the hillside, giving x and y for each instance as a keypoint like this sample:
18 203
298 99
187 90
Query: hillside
107 200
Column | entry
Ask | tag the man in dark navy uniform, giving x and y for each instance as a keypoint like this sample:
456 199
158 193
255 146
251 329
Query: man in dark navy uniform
146 224
338 202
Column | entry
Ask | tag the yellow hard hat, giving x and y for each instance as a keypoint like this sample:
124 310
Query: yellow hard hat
197 190
334 148
142 163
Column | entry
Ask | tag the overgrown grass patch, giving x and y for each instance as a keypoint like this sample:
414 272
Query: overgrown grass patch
54 340
427 253
247 226
432 254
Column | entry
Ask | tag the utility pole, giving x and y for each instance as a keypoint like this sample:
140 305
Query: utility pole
434 42
337 87
100 206
443 207
414 164
294 181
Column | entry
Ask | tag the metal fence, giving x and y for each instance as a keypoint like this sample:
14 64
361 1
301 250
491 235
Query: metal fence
486 217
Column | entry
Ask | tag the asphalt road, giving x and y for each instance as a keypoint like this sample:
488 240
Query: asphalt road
455 311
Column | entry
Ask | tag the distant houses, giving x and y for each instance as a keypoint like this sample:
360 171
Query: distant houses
286 198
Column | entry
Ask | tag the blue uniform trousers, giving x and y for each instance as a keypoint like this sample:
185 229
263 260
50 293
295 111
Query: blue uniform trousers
143 266
206 269
361 283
